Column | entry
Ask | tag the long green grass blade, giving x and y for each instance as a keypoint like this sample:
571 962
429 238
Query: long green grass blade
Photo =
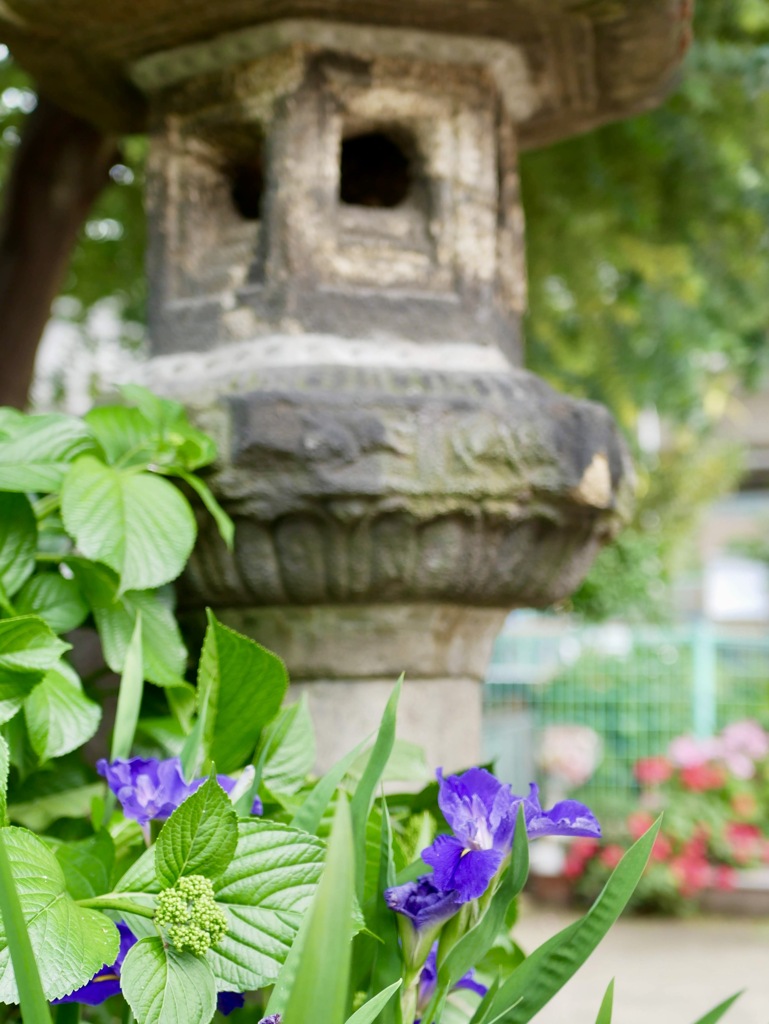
34 1008
130 696
360 806
548 968
483 1009
607 1005
309 815
319 993
371 1009
718 1011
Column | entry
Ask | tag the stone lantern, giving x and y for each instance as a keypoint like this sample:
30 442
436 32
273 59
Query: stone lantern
337 282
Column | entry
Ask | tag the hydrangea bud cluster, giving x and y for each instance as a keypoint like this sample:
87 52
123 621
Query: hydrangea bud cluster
194 920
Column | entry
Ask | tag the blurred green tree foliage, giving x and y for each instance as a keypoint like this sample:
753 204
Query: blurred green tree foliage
648 251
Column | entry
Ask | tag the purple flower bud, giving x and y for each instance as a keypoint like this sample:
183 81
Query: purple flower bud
106 982
422 902
274 1018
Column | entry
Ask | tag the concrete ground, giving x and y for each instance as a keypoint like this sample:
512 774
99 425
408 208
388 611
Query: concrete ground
666 971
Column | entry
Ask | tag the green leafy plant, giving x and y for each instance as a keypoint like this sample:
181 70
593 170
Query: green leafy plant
214 870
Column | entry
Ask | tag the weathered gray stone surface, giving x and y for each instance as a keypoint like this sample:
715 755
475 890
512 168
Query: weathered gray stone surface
587 62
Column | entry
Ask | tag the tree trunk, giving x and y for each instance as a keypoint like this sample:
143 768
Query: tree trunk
59 169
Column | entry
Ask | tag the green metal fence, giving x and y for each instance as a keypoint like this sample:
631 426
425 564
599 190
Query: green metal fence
636 687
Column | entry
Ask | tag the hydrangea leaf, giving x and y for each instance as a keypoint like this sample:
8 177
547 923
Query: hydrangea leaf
18 541
87 865
60 718
38 451
70 942
163 986
58 601
287 746
241 686
200 836
4 766
265 891
164 655
136 523
28 649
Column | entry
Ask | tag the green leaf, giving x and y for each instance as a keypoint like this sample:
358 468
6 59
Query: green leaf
387 960
482 1013
374 1006
241 687
136 523
58 601
548 968
39 452
70 943
364 792
129 700
163 986
123 434
473 945
59 716
199 838
265 891
319 993
287 745
191 447
607 1005
164 656
718 1011
310 814
18 541
28 649
87 865
224 524
4 766
34 1007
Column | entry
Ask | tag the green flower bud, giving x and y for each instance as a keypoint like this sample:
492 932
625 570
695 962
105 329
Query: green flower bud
194 921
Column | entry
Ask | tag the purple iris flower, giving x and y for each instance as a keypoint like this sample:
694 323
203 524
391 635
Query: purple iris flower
274 1018
481 810
428 979
149 789
226 1002
567 818
422 902
106 982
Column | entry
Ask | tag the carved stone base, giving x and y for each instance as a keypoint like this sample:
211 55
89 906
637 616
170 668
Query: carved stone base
347 658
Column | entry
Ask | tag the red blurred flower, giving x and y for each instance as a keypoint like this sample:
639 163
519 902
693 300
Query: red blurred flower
662 848
691 874
611 855
651 771
579 853
724 877
745 842
702 777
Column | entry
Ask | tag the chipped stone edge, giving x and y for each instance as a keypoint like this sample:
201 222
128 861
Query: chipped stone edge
505 61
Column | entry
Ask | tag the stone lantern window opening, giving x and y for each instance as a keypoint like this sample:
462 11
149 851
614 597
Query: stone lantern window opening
375 169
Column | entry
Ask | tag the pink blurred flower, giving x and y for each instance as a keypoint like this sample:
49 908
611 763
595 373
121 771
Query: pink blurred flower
691 751
611 855
639 822
746 737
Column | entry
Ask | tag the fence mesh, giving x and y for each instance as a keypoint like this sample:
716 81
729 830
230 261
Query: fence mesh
636 687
